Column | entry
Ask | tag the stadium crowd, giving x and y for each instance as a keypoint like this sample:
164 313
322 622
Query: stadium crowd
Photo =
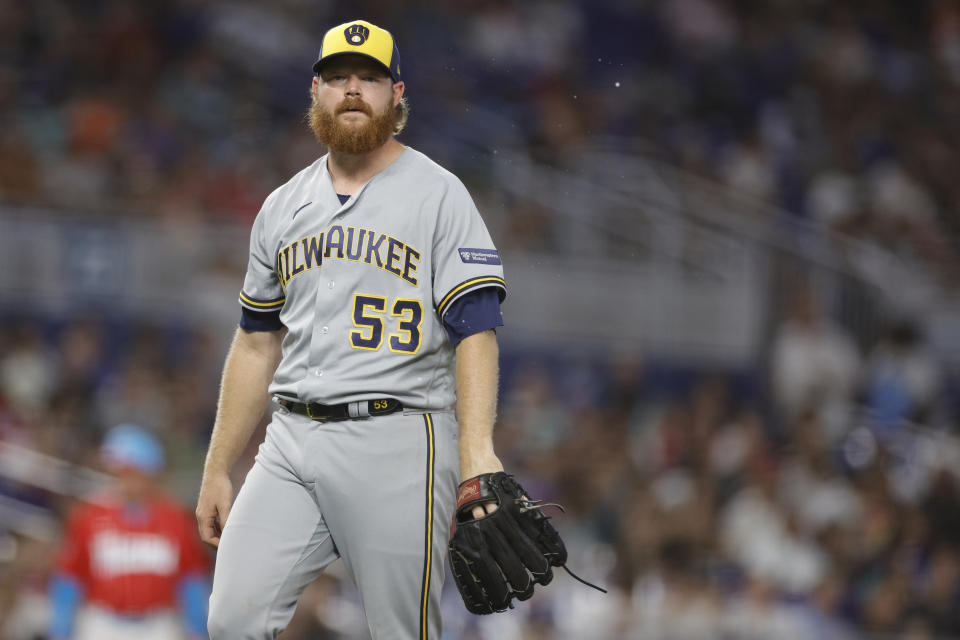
759 504
798 499
837 112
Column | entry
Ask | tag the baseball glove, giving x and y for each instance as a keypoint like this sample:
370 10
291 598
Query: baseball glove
501 555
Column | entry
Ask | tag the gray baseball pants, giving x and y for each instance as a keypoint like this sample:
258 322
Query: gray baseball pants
378 492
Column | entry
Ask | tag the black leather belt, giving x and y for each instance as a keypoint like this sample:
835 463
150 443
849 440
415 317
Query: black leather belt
345 411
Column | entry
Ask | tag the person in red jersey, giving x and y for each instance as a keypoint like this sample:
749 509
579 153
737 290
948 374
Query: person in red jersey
130 557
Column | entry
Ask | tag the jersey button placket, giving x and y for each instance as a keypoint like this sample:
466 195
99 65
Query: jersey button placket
322 331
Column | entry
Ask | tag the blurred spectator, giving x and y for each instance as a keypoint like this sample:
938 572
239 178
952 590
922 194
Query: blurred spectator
675 600
815 366
812 488
749 169
834 199
901 377
758 534
27 371
820 615
130 556
942 589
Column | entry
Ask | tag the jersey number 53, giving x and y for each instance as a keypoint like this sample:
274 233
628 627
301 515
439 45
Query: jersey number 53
369 315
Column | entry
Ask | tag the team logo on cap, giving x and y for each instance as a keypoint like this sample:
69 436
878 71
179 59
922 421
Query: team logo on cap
356 34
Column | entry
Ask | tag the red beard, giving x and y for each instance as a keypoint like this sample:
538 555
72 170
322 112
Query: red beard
344 139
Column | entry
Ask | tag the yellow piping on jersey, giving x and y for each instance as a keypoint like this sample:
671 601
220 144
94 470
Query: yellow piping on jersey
428 557
469 283
273 304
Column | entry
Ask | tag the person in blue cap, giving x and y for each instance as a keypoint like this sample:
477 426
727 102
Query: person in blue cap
129 558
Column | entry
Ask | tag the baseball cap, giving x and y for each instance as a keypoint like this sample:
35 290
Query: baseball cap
128 446
360 37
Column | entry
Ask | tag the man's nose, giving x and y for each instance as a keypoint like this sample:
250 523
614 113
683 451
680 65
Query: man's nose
353 86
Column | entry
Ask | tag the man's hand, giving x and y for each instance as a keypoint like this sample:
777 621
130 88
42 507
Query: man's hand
213 506
471 466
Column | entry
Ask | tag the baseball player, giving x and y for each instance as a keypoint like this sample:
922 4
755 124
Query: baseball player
130 556
368 310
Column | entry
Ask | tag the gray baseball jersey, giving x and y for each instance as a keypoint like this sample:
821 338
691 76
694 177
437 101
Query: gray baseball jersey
362 287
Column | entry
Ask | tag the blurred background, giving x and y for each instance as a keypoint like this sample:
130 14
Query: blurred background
730 235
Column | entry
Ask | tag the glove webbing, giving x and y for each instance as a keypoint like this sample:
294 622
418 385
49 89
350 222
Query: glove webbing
536 504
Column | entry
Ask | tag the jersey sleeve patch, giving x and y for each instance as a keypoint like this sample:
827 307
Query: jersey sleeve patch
258 304
479 256
470 285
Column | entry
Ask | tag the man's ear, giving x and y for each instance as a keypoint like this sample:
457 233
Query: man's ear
397 92
314 86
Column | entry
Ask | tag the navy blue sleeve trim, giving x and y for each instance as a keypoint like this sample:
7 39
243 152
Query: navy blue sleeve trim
260 320
473 312
473 284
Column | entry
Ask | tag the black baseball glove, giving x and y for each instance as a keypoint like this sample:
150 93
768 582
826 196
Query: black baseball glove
502 555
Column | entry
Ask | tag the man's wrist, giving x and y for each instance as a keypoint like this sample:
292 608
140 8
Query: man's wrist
481 447
475 461
215 468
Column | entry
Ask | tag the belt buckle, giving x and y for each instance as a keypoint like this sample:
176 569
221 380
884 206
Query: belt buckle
313 417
